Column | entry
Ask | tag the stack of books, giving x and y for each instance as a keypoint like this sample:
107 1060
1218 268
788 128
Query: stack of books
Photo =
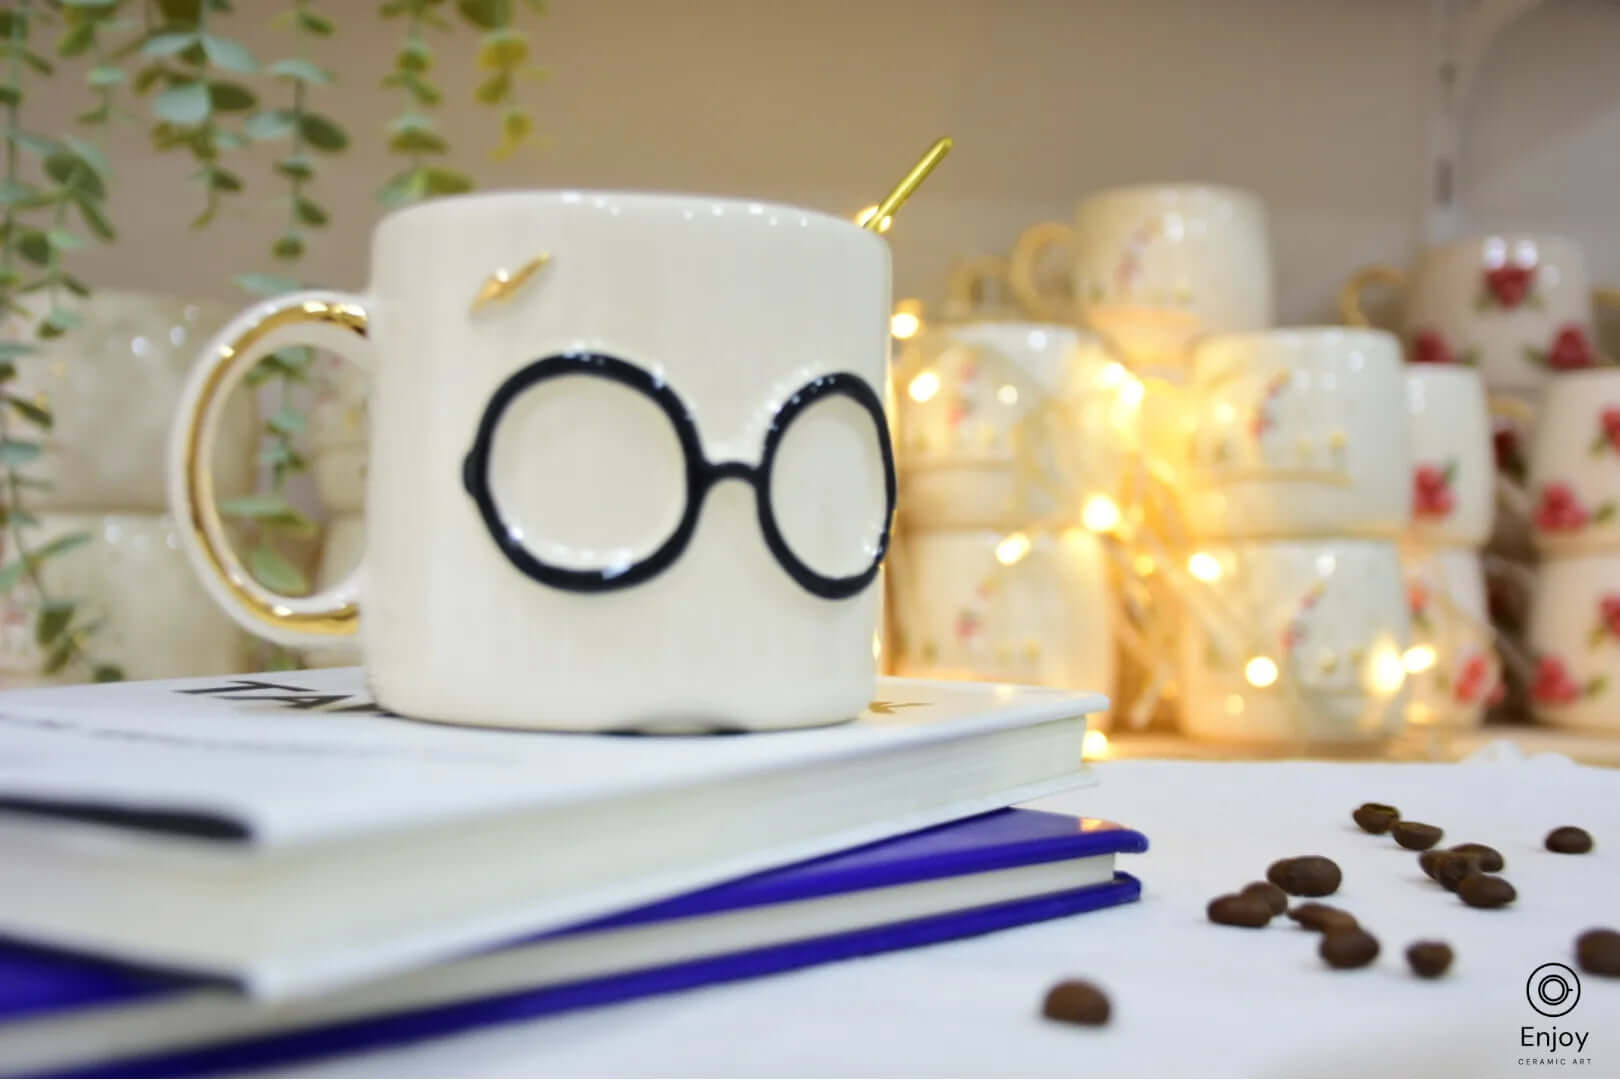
209 875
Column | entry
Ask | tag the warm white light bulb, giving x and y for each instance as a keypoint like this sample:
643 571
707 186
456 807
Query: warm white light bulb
904 325
1419 658
1014 546
1007 394
1112 375
1094 747
1261 671
924 386
1100 514
1204 566
1388 671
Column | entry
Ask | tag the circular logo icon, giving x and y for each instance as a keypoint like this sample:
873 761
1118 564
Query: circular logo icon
1553 989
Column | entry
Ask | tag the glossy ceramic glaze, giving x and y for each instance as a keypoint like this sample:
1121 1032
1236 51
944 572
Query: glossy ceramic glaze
1575 636
1004 424
158 622
112 385
1453 486
1518 306
1453 670
1021 607
1330 619
734 308
1574 490
1295 433
343 545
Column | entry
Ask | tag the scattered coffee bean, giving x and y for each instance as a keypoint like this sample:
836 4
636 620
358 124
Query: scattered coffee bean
1450 867
1430 861
1430 959
1076 1002
1274 898
1598 951
1305 875
1415 835
1490 860
1376 817
1486 890
1569 840
1237 909
1348 948
1322 917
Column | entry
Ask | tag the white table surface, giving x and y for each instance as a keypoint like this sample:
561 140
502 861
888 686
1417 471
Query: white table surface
1189 997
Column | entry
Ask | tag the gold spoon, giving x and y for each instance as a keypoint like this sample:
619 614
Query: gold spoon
880 217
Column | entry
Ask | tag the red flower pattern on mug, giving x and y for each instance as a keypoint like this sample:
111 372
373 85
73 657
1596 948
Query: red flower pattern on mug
1570 351
1262 421
1431 490
1472 679
1428 347
968 624
1608 620
1559 510
1507 287
1555 686
1608 433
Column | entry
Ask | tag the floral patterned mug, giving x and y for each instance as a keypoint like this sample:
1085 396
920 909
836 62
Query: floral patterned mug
1575 635
1452 667
1575 464
1453 476
1517 306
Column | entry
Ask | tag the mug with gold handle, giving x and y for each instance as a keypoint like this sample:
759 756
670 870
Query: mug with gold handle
1035 247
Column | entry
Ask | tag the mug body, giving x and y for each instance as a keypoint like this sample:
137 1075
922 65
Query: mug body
646 487
1575 637
1453 473
1517 306
1298 433
1298 641
1157 265
1002 424
1452 667
1575 464
1021 606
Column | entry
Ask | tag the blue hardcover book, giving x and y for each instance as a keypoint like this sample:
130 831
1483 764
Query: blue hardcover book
64 1014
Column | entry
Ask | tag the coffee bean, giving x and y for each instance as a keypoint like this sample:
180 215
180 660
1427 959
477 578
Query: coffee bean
1274 898
1598 951
1376 817
1486 890
1430 959
1076 1002
1322 917
1348 948
1239 910
1490 860
1415 835
1450 867
1305 875
1569 840
1430 861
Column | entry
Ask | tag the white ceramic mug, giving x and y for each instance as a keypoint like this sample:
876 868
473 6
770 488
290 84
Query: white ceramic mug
630 465
1452 668
1005 424
343 546
1305 642
1516 305
1575 636
1155 266
1453 472
1021 607
1298 433
131 578
1575 464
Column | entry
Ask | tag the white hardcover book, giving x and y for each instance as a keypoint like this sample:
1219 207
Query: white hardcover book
281 831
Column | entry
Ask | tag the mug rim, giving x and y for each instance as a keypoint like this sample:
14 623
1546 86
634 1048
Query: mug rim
1472 242
1178 188
1287 335
583 196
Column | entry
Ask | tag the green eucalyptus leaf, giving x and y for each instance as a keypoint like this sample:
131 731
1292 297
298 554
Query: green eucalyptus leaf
40 65
411 121
107 673
300 70
17 452
315 23
484 14
11 95
415 56
59 321
440 181
8 371
94 220
15 191
493 90
295 167
91 3
261 504
34 414
34 144
60 656
288 246
503 50
89 153
12 349
170 44
11 574
417 141
231 97
71 171
54 618
274 572
149 76
226 141
34 247
184 104
309 212
405 187
224 180
322 133
286 421
105 75
63 240
266 284
75 285
61 545
76 41
271 124
228 54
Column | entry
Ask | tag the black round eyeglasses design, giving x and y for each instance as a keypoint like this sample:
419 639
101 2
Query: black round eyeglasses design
701 475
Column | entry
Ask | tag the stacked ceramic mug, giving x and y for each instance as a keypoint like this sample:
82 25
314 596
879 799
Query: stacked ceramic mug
1001 445
111 386
1518 307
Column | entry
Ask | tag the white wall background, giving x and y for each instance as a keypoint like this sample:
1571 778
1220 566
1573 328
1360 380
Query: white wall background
1313 103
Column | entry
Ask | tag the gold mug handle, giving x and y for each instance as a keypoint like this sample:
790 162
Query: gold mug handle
1606 297
1027 253
331 320
968 289
1350 309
